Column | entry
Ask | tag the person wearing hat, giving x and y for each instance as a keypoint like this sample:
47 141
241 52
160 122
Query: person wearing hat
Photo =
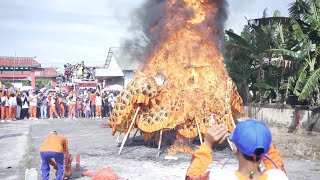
251 143
54 147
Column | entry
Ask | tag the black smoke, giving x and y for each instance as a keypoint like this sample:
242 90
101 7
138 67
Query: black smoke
148 24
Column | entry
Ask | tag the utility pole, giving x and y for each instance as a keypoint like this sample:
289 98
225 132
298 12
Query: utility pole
14 66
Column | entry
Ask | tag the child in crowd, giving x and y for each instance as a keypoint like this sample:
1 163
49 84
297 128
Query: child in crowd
87 109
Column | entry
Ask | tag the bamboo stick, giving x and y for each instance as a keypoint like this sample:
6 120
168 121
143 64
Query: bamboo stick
128 132
159 145
200 135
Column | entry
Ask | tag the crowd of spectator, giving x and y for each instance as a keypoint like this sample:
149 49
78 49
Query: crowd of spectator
78 71
54 104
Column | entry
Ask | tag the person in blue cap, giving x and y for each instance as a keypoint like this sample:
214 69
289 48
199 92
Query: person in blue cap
251 143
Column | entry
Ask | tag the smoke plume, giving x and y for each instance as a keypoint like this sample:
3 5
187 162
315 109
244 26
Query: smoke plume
148 25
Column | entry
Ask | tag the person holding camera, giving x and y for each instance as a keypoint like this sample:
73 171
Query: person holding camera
12 106
25 106
251 144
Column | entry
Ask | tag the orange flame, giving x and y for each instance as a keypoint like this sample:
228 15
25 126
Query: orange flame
191 61
196 82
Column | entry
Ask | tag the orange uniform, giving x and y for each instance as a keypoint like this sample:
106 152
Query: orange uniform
13 107
201 159
274 154
53 108
61 107
33 106
5 106
55 143
72 106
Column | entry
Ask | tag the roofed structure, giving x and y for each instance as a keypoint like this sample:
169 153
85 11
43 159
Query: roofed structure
47 72
6 61
129 59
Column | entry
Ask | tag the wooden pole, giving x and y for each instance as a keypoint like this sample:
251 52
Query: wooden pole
160 140
134 136
200 136
128 132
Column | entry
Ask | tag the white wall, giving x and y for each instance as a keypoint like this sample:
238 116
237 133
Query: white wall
286 117
17 84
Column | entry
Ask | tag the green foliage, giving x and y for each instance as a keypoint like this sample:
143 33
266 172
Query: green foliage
42 83
7 84
26 83
310 85
255 56
240 42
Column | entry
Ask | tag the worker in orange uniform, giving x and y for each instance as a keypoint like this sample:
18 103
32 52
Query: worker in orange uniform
72 105
54 147
33 105
251 143
12 106
53 108
62 110
4 106
98 105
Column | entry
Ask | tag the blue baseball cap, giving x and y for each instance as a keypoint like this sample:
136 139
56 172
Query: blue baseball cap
250 135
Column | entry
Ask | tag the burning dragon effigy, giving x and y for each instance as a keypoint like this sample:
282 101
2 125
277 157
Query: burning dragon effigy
184 84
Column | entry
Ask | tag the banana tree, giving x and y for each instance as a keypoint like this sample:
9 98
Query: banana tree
307 13
241 71
306 52
265 33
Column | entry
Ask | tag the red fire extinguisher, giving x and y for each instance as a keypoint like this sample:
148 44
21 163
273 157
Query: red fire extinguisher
78 162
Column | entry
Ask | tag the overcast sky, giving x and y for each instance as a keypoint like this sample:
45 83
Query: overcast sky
63 31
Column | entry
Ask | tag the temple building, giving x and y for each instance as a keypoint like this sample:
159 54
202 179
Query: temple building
19 69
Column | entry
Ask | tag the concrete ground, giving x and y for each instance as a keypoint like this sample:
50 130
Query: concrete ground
20 142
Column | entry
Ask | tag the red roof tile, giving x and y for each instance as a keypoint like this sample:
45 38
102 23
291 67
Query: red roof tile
46 72
19 62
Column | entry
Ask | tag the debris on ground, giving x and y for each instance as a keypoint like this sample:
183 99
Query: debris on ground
105 173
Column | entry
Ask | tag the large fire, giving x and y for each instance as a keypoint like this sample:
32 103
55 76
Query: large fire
196 90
